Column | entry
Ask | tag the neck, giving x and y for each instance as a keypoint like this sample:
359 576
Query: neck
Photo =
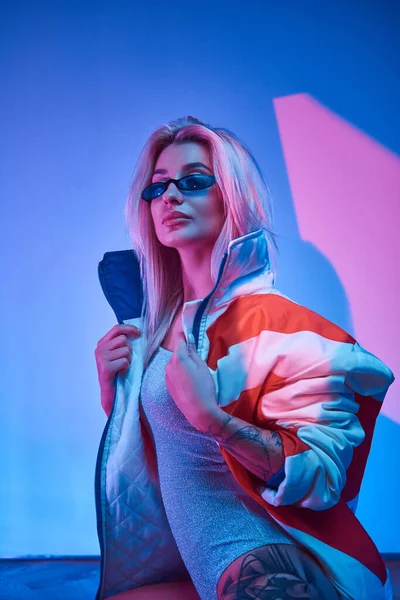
196 275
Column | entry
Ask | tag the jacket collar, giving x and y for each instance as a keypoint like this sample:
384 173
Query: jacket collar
244 269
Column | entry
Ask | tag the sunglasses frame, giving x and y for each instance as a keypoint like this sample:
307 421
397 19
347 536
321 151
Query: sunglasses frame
177 181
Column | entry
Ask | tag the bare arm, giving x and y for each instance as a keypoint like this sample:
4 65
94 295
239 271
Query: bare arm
259 450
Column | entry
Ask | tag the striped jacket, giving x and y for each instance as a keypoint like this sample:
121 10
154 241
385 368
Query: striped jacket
275 364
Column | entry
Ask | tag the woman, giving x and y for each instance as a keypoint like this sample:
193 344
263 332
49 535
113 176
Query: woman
234 431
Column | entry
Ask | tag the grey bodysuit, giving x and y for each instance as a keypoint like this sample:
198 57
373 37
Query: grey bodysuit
212 519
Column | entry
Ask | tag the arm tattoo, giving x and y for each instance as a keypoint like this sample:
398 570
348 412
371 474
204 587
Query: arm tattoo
259 450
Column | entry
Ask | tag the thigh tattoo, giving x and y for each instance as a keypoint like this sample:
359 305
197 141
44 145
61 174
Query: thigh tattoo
264 574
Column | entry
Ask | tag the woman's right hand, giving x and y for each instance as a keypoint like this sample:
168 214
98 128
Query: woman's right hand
113 354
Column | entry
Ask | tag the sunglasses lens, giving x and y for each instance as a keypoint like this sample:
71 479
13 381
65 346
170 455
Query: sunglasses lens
152 191
196 182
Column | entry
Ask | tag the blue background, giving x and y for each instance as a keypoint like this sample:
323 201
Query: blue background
82 85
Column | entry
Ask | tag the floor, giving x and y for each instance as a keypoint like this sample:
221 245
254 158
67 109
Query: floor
66 578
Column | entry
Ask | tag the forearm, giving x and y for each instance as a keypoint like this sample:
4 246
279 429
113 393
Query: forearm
259 450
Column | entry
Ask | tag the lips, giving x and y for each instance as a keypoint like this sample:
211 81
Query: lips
175 215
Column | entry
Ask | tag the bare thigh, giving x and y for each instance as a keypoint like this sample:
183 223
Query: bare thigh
275 571
174 590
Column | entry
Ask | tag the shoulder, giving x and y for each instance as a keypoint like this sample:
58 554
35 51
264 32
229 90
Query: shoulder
276 312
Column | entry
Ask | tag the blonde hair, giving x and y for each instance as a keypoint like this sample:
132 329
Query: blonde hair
247 207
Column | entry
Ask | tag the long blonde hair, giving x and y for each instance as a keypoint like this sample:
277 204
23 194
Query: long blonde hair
247 206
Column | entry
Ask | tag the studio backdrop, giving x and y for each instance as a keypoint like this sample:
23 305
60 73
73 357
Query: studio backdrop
311 88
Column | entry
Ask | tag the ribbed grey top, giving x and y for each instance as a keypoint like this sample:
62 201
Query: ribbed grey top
212 519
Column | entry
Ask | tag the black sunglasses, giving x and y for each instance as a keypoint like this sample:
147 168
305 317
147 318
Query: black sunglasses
189 182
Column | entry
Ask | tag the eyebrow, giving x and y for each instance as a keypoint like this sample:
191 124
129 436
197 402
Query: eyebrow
186 167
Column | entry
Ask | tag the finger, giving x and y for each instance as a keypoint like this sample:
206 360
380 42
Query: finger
179 347
181 340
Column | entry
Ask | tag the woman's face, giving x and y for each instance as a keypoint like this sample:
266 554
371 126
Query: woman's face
204 207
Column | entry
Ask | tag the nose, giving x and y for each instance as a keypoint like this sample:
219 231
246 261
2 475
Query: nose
171 191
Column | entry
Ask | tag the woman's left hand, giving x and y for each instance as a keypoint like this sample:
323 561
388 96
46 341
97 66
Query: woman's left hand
191 385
